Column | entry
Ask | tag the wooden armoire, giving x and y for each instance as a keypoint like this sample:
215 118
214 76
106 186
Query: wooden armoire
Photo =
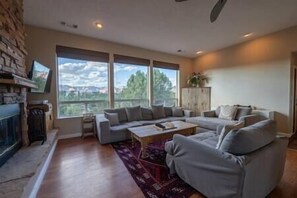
196 99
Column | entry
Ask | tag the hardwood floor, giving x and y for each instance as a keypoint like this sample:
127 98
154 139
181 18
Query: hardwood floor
84 168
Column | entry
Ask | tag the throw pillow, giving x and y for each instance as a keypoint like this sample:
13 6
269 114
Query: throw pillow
121 113
177 112
250 138
113 118
134 113
168 111
243 111
228 112
158 111
147 114
217 112
225 130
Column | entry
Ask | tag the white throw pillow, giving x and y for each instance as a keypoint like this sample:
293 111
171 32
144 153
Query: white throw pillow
228 112
226 129
113 118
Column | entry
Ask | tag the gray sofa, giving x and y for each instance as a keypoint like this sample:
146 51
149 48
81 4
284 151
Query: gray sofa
209 120
108 134
249 162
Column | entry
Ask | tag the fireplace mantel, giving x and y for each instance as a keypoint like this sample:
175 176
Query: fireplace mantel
15 80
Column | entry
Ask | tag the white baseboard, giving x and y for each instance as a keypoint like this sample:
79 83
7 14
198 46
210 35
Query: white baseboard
288 135
43 171
67 136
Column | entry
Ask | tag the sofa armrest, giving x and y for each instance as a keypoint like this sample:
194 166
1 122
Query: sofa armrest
250 119
103 128
189 113
208 114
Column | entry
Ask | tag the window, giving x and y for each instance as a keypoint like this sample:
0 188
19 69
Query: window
165 83
130 81
82 81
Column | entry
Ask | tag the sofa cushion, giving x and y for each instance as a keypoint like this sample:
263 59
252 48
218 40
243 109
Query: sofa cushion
209 122
226 129
243 111
168 111
148 122
249 139
177 112
113 118
158 111
134 113
228 112
210 138
121 113
146 113
171 119
124 126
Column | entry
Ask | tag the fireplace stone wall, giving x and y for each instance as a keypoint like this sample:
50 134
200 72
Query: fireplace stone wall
12 56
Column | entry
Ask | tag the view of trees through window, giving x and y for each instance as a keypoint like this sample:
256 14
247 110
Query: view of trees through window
165 86
83 86
130 85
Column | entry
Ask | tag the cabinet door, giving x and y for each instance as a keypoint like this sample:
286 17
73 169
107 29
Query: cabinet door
185 98
203 103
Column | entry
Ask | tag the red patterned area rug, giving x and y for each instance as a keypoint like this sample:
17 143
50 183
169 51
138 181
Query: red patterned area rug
151 174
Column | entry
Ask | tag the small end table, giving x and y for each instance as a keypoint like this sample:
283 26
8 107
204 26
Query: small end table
88 125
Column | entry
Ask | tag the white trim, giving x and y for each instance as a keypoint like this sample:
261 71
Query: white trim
43 170
67 136
288 135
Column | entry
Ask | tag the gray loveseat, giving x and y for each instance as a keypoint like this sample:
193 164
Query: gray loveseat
209 120
107 133
249 162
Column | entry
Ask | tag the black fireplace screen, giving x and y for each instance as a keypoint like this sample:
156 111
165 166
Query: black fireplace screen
10 131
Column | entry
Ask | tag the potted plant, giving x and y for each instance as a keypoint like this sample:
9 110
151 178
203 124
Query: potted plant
196 79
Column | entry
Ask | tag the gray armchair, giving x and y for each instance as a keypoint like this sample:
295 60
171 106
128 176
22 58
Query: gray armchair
254 171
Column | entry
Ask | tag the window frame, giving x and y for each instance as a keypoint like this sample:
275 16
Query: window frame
135 61
79 54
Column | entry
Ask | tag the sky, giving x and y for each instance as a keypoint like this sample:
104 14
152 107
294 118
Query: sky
87 73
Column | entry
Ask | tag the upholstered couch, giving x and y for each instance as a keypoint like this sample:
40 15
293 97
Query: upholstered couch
249 162
209 120
108 132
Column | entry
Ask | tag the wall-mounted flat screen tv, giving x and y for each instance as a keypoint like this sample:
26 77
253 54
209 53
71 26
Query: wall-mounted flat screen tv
41 75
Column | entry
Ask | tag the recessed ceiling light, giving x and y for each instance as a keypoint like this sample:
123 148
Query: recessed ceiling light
199 52
247 35
99 25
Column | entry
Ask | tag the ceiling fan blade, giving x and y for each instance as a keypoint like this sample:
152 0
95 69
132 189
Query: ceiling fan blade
217 10
180 0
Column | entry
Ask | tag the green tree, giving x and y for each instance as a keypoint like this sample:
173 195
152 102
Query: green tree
162 88
137 86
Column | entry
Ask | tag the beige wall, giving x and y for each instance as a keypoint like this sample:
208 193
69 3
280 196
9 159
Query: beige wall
41 45
253 73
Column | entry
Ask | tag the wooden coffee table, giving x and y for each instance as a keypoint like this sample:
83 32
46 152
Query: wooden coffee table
149 133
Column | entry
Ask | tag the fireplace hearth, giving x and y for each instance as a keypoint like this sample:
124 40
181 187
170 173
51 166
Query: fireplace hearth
10 131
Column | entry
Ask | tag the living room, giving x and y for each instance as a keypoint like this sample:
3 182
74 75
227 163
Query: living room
247 54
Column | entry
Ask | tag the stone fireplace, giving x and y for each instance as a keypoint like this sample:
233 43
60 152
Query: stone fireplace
13 78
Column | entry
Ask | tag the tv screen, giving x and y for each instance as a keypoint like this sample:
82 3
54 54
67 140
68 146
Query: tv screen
41 75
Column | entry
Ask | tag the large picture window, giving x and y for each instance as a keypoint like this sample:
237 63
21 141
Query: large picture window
130 81
82 82
165 83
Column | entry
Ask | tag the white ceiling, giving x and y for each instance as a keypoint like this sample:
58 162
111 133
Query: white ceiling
164 25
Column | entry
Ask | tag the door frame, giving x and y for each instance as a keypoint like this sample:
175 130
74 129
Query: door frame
293 93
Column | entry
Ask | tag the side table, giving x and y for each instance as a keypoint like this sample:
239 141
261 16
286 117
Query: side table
88 125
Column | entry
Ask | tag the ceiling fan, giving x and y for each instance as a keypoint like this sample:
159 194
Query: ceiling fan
215 12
